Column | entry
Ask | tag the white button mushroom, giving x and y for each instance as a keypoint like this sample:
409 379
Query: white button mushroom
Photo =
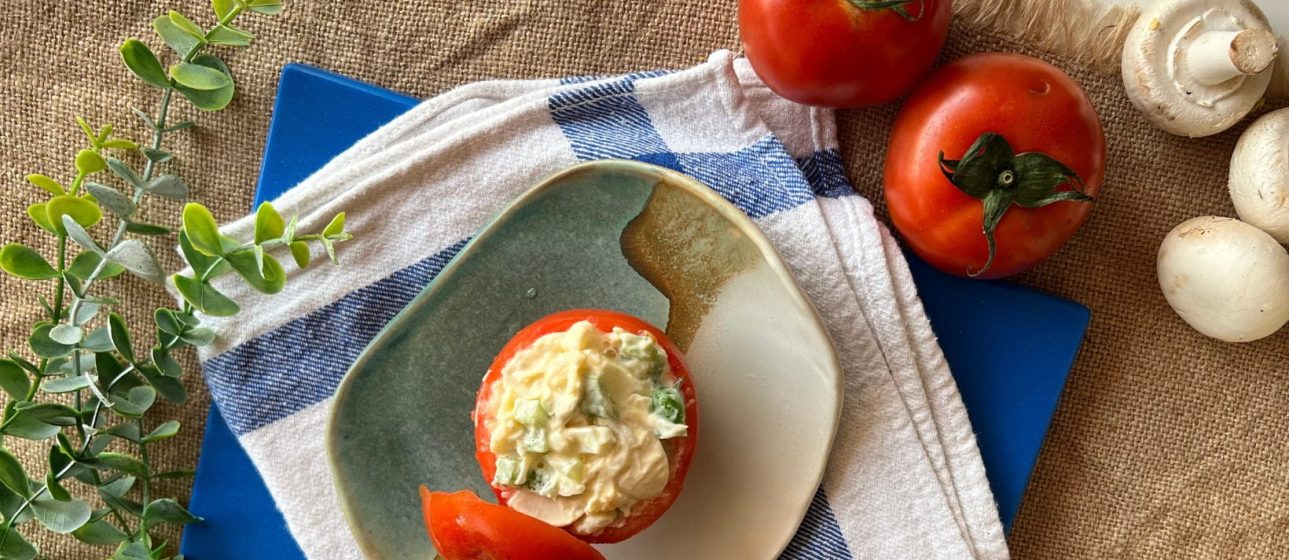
1226 278
1260 175
1196 67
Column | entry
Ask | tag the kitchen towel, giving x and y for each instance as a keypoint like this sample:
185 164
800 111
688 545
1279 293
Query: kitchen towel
905 479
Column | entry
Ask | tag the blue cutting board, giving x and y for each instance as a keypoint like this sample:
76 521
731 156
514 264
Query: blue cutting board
1010 348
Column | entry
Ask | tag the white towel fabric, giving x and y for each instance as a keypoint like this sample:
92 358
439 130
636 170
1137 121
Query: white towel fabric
905 479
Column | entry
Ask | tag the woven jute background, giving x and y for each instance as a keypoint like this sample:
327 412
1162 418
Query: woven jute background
1165 445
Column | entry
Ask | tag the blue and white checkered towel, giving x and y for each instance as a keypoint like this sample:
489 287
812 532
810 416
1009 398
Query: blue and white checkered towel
905 479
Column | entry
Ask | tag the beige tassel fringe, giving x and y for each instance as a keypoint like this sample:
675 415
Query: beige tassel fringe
1081 31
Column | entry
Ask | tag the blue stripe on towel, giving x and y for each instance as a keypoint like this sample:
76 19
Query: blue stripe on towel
298 364
825 173
819 537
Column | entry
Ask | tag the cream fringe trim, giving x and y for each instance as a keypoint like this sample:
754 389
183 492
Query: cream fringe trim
1081 31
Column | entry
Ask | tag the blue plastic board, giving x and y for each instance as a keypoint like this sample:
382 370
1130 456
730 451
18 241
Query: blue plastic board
1010 347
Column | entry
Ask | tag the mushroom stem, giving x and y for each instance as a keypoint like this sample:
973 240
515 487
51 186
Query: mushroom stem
1218 56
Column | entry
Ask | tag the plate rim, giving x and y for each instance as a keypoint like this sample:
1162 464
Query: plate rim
693 186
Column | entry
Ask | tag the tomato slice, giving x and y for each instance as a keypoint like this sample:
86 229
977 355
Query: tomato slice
679 450
463 527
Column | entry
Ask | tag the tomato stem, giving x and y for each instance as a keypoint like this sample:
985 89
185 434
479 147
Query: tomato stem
999 178
897 6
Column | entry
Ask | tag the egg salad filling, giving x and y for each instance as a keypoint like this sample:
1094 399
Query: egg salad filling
577 424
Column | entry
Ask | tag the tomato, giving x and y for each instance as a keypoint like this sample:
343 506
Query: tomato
679 450
842 53
463 527
1027 186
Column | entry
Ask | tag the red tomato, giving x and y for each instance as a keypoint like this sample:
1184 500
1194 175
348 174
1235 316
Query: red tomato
463 527
842 53
679 450
1036 109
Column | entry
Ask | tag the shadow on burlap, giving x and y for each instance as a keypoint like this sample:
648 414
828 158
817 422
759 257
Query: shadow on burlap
1165 445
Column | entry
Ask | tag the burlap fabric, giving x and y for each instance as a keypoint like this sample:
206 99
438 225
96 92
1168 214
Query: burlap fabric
1165 445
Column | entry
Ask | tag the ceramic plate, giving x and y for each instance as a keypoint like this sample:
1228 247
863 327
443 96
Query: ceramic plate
616 235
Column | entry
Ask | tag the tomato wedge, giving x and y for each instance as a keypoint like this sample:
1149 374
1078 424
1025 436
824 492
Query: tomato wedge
679 450
463 527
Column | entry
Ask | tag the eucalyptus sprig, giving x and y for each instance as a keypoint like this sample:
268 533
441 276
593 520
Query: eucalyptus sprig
84 381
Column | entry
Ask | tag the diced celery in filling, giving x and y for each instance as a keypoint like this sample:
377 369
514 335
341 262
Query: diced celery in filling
530 412
577 423
508 473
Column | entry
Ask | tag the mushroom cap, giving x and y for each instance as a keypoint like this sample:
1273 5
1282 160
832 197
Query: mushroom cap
1227 279
1259 179
1163 89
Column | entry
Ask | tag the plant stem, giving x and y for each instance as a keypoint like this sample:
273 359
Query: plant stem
58 292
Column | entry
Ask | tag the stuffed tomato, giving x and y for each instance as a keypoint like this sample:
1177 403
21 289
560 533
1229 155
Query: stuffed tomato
587 420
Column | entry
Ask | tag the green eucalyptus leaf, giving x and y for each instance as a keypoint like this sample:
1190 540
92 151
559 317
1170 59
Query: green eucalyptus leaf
89 162
81 237
268 224
83 211
103 134
45 346
336 227
66 334
140 60
128 431
127 464
14 380
199 77
177 39
167 429
166 510
246 265
230 36
157 156
146 229
138 259
41 217
132 551
215 99
182 125
98 340
222 8
24 364
136 402
100 533
168 186
15 547
111 199
89 130
268 7
121 144
124 171
167 322
330 248
187 26
202 230
205 298
120 336
12 475
47 183
118 488
300 252
166 363
85 263
202 264
199 337
24 262
74 283
56 490
86 312
169 388
61 517
146 118
65 384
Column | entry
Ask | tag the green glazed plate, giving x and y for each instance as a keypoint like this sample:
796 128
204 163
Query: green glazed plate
614 235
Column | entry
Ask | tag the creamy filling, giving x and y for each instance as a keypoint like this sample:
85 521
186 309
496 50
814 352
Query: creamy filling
577 422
